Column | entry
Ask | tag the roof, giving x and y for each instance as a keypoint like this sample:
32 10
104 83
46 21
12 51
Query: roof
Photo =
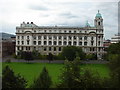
98 15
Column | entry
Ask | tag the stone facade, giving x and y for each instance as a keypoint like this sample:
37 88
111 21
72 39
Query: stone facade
52 39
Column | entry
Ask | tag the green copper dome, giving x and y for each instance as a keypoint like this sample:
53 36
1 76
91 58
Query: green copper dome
87 24
98 15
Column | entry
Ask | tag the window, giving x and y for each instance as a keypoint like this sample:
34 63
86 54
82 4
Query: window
74 43
85 38
22 48
85 31
70 37
22 42
50 37
18 48
60 43
45 37
45 42
18 42
99 43
92 43
80 43
60 37
85 43
55 42
69 43
59 48
22 37
98 23
39 37
54 48
50 49
34 37
80 31
92 38
27 42
74 37
65 43
45 49
65 31
69 31
34 42
55 37
74 31
50 43
65 37
18 37
80 38
45 31
27 37
39 42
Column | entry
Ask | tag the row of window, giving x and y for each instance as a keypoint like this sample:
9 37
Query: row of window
54 43
45 48
53 48
59 37
56 31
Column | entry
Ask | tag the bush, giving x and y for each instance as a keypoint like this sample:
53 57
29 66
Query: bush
8 61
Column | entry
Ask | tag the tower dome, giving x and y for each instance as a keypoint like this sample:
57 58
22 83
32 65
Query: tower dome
98 15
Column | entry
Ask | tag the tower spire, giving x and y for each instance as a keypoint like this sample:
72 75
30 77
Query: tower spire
98 11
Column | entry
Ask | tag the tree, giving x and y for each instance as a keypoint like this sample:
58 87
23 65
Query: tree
114 48
114 65
50 57
43 80
10 80
28 56
70 74
90 80
69 52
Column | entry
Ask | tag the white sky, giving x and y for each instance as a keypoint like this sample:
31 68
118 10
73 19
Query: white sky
58 12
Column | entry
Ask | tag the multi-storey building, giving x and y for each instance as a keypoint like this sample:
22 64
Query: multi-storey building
116 38
52 39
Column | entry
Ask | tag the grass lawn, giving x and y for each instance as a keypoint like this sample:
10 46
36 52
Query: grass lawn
30 71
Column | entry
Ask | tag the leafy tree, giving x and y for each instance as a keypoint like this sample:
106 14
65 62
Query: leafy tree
28 56
35 54
10 80
90 80
43 80
70 74
114 48
69 52
50 57
114 65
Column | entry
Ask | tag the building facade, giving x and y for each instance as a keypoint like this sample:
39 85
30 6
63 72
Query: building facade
116 38
52 39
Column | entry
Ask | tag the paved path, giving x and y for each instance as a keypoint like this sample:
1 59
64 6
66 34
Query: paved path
55 61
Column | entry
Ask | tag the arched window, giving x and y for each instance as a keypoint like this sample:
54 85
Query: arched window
69 43
39 42
98 23
45 42
60 43
74 43
85 38
65 43
50 43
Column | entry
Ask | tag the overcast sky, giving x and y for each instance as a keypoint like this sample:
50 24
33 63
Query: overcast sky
58 12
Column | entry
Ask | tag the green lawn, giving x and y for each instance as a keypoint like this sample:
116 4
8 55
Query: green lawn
30 71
